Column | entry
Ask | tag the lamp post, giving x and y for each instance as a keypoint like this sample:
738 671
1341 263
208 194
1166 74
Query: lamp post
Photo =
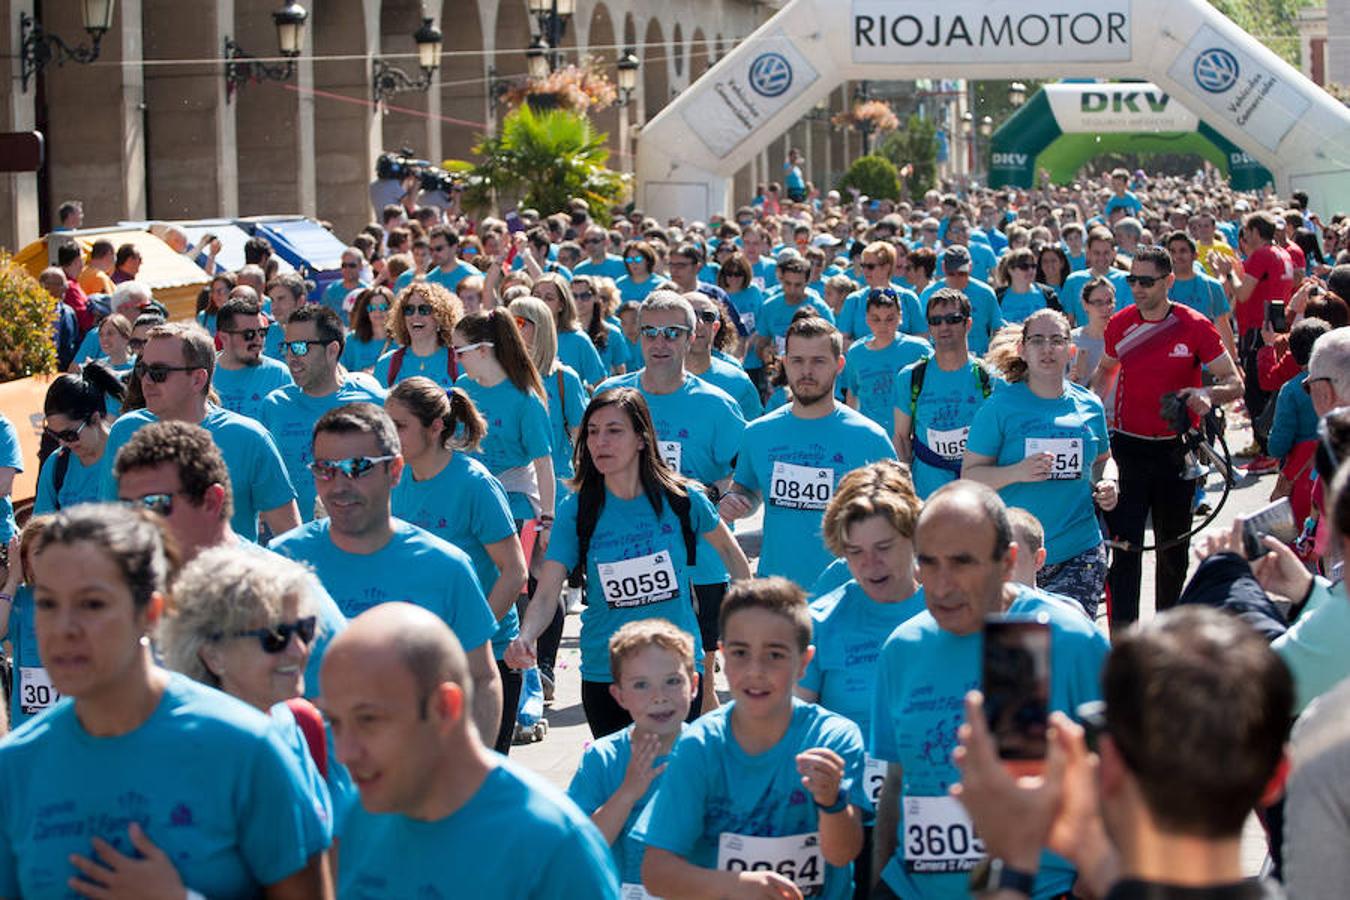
552 16
241 67
388 80
628 68
37 48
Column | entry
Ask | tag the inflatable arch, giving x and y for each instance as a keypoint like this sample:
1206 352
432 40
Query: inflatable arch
689 154
1063 126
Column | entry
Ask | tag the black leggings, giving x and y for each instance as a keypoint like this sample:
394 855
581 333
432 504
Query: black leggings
604 714
511 681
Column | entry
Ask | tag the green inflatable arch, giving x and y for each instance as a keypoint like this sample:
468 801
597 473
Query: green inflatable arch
1035 138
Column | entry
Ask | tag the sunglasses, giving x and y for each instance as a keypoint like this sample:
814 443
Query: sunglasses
377 307
707 315
69 436
301 348
583 296
159 373
248 334
949 319
635 260
277 638
156 503
669 332
469 251
418 309
591 241
521 322
1025 264
1144 281
351 265
477 345
354 468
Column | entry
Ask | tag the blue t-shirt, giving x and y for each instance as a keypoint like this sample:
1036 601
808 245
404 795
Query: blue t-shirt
242 390
1202 294
414 567
853 314
290 414
836 575
1071 295
1073 427
941 417
637 568
257 473
446 279
982 261
922 678
638 290
732 379
1126 201
335 295
518 431
599 776
775 315
576 351
796 464
1016 306
90 348
208 777
564 415
359 355
712 787
611 267
465 505
82 484
986 317
1295 417
869 375
11 456
518 836
615 353
764 274
436 367
698 428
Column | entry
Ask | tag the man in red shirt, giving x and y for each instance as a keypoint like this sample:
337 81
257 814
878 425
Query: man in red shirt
71 260
1158 347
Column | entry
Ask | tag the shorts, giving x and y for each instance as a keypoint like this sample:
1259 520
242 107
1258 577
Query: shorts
1081 577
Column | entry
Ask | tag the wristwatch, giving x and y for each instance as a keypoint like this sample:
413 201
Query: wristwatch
993 875
839 804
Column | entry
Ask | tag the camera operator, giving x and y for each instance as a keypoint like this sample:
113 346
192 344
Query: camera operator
1158 347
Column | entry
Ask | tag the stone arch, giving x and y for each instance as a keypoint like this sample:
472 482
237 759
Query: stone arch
699 61
655 71
405 116
342 127
604 54
677 54
462 81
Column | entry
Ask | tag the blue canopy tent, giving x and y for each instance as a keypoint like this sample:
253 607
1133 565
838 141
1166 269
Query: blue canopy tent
313 250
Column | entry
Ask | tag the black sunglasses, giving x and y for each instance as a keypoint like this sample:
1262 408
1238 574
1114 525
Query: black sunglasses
1144 281
247 334
277 638
948 319
158 372
707 315
69 436
419 309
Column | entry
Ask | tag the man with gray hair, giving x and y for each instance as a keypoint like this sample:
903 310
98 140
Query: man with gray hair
336 294
1328 381
1127 232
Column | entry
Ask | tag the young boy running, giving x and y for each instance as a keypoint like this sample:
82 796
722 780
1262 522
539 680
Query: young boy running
870 366
764 797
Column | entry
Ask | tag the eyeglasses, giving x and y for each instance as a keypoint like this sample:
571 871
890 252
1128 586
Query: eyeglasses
247 334
583 296
1144 281
669 332
477 345
1058 341
707 315
1101 301
351 265
354 468
418 309
156 503
69 436
301 348
955 318
277 638
377 307
158 372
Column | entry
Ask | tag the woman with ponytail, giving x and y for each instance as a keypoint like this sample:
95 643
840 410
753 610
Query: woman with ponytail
575 346
1042 444
455 497
567 396
78 419
500 378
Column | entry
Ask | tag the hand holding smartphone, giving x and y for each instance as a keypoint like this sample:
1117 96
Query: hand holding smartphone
1016 687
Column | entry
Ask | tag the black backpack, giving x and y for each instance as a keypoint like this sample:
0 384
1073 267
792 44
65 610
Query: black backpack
679 504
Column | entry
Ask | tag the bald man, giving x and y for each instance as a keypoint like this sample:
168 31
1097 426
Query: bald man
438 807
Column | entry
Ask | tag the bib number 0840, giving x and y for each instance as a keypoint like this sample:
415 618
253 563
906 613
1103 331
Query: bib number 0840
801 487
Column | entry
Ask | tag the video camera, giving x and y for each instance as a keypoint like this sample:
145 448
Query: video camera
431 178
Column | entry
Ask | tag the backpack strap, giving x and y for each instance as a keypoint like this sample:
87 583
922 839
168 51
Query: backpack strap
452 364
311 726
1051 297
681 506
396 364
983 378
62 464
915 389
562 400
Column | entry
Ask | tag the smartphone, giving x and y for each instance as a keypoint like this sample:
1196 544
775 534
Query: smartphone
1275 315
1016 686
1276 520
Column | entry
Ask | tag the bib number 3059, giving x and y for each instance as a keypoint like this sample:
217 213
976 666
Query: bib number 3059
796 857
639 582
36 692
939 836
801 487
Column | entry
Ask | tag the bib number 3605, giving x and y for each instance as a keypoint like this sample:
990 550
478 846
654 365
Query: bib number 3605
801 487
639 582
1067 453
796 857
939 836
36 692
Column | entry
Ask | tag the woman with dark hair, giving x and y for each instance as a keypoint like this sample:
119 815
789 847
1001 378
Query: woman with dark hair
78 420
639 258
633 523
605 335
737 278
575 347
455 497
1306 240
422 323
135 761
500 378
368 339
1052 266
922 265
214 298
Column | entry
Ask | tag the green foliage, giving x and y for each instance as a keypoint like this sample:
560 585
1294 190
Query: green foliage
874 176
545 158
27 314
915 144
1272 22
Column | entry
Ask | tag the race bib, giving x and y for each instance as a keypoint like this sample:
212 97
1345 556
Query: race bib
939 837
758 281
671 453
796 857
634 892
747 320
874 776
780 344
1068 453
639 582
948 444
801 487
35 690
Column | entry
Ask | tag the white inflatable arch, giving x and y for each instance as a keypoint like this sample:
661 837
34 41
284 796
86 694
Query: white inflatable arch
689 154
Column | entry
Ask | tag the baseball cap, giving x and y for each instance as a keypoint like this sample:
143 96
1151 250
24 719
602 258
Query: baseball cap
955 258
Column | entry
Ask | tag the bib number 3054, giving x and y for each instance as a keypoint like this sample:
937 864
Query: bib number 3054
36 692
939 836
801 487
796 857
639 582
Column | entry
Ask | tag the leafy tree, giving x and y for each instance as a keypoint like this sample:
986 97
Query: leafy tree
915 145
545 158
27 314
874 176
1272 22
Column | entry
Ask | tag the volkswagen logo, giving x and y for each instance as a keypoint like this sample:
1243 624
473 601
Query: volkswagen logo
1216 70
770 75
